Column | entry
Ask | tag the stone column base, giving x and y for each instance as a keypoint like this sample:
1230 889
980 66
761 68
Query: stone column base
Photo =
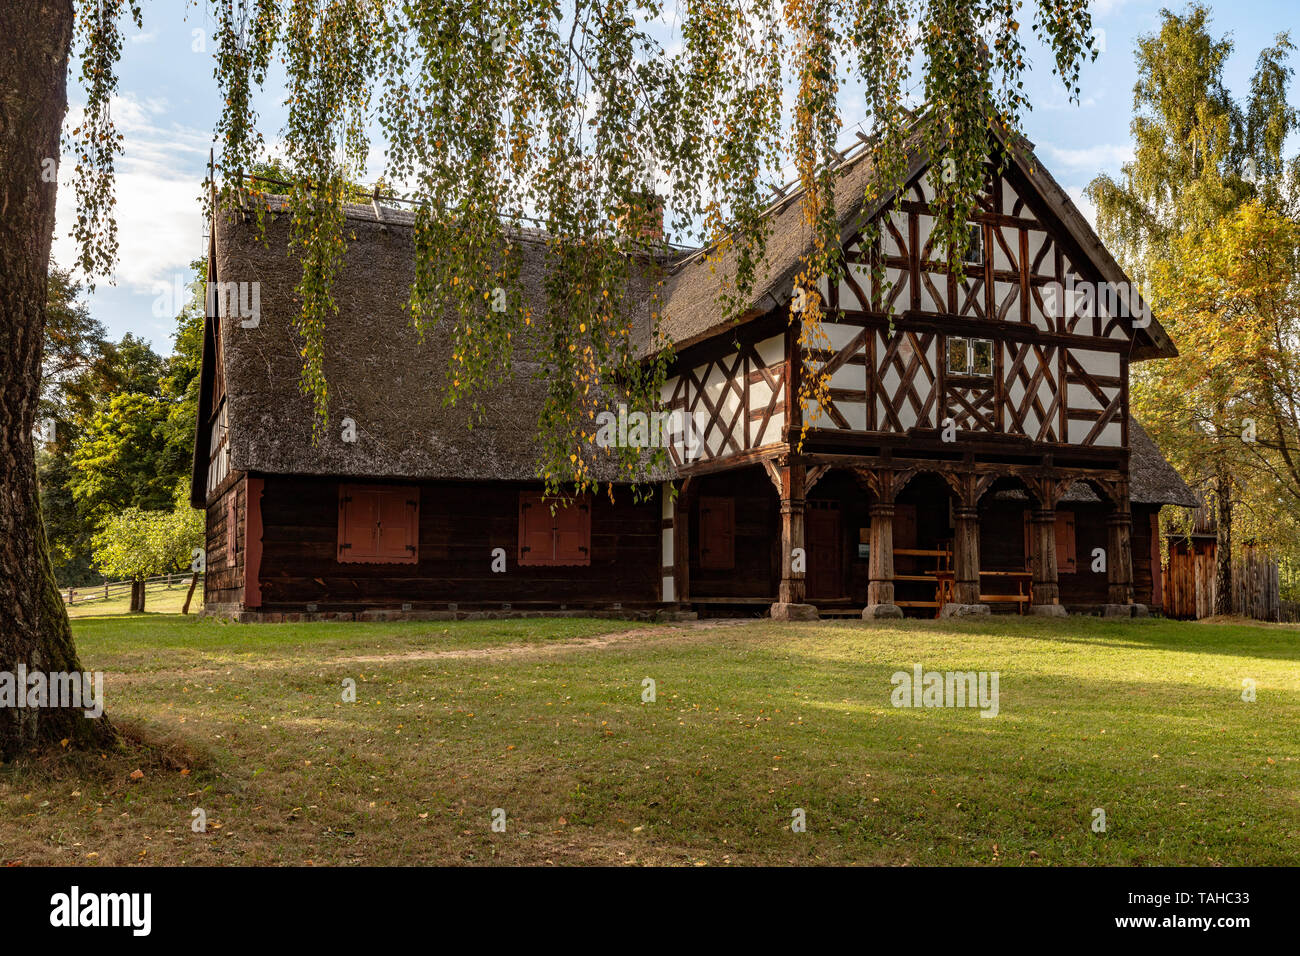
678 614
1124 610
794 612
873 612
1048 610
963 610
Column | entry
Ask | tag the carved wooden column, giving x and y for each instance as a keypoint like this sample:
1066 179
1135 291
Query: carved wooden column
968 487
1119 554
880 563
1042 548
966 555
883 484
1042 556
791 595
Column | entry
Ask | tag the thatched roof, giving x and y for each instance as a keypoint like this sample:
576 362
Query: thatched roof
1152 480
379 373
691 312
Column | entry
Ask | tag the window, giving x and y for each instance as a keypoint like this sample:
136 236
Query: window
975 250
379 524
970 357
553 533
717 534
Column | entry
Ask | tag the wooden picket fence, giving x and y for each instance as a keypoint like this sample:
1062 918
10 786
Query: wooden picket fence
111 589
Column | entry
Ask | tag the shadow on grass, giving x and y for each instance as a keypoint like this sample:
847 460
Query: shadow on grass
1245 640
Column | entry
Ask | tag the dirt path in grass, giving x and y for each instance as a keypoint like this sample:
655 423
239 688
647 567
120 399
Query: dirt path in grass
686 630
640 635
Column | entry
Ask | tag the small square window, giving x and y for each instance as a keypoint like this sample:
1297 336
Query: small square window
970 357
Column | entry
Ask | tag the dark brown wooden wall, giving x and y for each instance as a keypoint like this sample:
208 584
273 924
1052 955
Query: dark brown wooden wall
757 536
460 525
223 582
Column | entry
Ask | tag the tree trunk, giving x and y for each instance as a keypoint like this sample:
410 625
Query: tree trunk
1223 549
35 38
189 595
137 597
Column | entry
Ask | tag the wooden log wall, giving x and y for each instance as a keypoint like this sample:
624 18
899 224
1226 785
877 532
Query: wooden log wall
1189 581
461 523
223 584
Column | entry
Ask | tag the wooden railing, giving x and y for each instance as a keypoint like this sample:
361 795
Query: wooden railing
89 593
944 578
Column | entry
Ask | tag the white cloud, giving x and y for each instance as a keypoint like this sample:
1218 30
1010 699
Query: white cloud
158 184
1102 156
1104 8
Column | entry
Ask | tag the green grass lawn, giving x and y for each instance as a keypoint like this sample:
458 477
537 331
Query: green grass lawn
544 719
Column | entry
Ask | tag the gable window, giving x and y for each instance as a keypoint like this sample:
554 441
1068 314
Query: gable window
970 357
975 249
554 533
379 524
717 534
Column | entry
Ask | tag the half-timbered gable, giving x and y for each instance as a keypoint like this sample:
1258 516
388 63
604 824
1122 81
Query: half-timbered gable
1015 342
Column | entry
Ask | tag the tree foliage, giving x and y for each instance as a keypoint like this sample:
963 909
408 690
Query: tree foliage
1231 297
123 421
135 544
1207 178
502 116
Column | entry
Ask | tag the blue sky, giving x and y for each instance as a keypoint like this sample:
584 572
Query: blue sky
168 107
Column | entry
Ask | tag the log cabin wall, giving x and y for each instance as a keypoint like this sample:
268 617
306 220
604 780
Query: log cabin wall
223 580
460 524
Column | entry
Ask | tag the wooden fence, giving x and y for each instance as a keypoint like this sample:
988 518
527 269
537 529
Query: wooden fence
1189 582
114 589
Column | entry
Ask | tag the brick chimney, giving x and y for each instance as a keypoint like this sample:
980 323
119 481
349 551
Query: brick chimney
643 220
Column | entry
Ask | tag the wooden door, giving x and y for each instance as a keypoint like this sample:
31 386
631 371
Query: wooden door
825 575
717 534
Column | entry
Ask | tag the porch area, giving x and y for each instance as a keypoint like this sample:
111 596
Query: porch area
821 539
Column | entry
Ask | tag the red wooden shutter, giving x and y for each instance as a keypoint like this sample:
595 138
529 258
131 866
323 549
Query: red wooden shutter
398 518
573 533
378 524
552 539
232 526
358 526
1065 563
536 531
717 534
